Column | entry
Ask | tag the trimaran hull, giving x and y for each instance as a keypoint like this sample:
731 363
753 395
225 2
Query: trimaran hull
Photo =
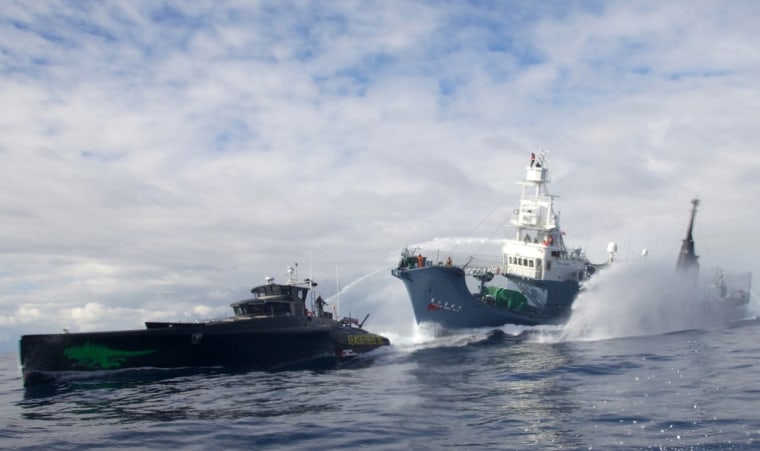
235 345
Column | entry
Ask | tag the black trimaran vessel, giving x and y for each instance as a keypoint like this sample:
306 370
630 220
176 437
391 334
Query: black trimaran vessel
272 330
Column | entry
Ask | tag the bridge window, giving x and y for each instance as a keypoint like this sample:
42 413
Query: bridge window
264 309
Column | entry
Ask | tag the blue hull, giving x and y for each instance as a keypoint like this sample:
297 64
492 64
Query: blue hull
439 294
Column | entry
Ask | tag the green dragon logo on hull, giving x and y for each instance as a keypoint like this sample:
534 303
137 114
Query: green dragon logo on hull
103 357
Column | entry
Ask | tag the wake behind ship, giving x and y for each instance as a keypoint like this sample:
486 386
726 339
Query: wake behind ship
536 281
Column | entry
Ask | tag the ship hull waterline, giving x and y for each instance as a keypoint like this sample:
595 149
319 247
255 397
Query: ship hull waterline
235 345
439 295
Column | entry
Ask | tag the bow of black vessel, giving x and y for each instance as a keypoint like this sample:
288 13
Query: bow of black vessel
274 329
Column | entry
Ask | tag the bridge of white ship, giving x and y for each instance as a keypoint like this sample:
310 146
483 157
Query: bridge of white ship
525 266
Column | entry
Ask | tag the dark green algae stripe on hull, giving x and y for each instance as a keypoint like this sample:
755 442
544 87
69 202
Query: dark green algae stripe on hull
101 357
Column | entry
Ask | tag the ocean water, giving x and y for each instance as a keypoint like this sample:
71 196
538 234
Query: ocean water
506 388
638 366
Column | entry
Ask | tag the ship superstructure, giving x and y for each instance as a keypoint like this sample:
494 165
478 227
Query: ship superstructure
542 274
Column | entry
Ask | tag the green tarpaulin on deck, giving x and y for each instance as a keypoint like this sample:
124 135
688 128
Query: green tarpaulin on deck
513 300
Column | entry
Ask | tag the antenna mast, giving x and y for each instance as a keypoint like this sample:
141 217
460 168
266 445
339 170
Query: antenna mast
687 258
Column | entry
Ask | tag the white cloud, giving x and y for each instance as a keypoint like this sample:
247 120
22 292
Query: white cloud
158 160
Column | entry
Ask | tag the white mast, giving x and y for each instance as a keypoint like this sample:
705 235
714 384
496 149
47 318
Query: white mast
536 214
538 249
337 292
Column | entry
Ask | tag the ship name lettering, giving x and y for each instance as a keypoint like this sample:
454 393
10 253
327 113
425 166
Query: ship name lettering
359 340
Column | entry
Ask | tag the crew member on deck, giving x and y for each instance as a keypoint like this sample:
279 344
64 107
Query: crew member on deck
420 261
532 159
448 261
320 306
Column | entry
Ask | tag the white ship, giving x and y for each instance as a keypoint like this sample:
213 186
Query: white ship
536 281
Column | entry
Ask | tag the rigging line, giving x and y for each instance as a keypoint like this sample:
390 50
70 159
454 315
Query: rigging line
498 227
456 244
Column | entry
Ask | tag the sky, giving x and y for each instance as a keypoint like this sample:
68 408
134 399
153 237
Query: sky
159 159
